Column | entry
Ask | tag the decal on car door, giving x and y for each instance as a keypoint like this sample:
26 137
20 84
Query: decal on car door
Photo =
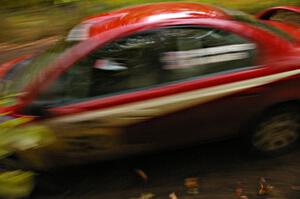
202 56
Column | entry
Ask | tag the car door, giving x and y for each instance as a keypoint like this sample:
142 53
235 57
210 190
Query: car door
149 90
200 62
97 90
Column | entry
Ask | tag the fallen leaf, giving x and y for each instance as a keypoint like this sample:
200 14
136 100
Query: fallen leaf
173 196
142 174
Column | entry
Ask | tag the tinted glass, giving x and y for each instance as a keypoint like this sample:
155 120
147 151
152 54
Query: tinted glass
200 52
251 20
128 64
27 70
287 16
151 59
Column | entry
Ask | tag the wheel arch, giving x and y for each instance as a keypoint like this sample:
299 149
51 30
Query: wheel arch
250 124
249 128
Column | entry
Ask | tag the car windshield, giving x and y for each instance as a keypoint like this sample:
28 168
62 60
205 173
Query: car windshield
25 71
246 18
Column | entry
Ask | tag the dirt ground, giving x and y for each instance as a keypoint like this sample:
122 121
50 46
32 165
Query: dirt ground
219 167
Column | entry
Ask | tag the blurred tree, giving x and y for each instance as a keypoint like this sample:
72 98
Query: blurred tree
64 1
20 4
16 4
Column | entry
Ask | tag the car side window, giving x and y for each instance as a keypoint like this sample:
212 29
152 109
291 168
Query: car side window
128 64
200 52
150 59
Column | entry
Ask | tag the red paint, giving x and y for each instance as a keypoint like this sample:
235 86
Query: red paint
166 90
153 12
263 39
215 119
291 29
272 49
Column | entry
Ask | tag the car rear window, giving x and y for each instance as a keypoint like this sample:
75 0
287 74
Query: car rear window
246 18
286 16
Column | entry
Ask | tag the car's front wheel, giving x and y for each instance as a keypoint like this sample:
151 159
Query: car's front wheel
277 132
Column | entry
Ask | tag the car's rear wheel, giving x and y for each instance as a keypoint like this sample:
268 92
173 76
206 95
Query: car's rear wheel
277 132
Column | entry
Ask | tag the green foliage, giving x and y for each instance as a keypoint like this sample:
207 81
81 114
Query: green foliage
28 20
20 4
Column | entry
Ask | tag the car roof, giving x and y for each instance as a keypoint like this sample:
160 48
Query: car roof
148 12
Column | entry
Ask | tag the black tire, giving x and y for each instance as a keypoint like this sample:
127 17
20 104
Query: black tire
277 131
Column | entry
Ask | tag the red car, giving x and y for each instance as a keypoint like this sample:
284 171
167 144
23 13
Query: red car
159 75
